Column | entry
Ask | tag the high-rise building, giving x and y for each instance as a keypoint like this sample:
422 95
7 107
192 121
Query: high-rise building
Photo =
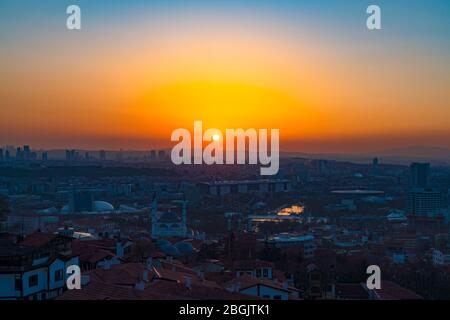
44 156
153 155
19 153
419 174
71 155
1 155
26 152
161 155
102 155
426 202
81 201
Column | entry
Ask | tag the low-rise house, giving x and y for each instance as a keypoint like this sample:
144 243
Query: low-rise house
262 288
36 268
441 257
255 268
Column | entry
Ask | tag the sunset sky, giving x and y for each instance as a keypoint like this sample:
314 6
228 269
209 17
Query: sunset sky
139 69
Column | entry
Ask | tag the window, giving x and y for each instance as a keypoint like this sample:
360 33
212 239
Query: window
33 280
58 275
265 273
258 273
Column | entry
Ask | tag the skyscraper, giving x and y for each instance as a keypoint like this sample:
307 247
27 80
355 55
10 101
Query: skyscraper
161 155
26 152
19 153
419 174
102 155
426 202
153 155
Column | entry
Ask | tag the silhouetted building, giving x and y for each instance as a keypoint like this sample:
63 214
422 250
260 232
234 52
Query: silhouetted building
102 154
81 201
161 155
153 155
71 155
419 174
426 202
26 152
19 154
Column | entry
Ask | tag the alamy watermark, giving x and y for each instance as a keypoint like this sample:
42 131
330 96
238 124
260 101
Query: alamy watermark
211 147
373 22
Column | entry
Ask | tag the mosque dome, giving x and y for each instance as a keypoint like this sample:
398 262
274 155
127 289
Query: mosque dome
97 206
170 250
162 243
184 247
102 206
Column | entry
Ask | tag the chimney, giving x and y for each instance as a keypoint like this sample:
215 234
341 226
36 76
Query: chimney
188 283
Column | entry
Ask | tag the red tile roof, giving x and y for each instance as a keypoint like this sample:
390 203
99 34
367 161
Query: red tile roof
158 290
251 264
247 281
123 274
180 277
351 291
96 290
392 291
38 239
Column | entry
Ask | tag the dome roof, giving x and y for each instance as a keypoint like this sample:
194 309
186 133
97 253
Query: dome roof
169 217
184 247
163 242
102 206
170 250
97 206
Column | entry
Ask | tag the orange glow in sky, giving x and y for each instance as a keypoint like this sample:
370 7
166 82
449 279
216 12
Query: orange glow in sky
131 90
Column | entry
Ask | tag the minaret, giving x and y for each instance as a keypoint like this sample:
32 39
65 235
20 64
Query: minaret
153 216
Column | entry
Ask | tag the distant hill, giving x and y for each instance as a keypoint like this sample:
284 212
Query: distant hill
418 152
